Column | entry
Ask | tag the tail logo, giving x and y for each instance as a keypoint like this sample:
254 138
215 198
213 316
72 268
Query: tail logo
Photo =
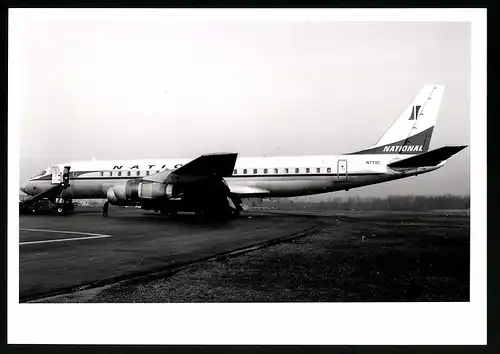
414 112
405 148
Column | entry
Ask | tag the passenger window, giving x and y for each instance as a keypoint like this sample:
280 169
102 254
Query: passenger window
245 171
328 170
286 170
138 173
128 173
120 173
275 170
102 174
147 173
318 170
235 172
265 170
296 170
110 174
307 170
254 171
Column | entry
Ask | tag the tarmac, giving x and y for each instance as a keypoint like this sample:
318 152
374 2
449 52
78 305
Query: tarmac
61 254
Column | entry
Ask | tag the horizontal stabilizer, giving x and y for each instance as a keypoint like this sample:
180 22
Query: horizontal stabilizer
428 159
213 165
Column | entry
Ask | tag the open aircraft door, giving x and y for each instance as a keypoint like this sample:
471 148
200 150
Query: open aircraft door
342 169
56 175
65 175
59 176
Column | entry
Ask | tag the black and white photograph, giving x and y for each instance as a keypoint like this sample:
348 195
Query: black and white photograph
235 171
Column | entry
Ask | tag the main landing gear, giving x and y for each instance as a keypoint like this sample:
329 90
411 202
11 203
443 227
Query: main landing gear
208 208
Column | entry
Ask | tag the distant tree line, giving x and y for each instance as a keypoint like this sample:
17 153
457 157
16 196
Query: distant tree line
393 202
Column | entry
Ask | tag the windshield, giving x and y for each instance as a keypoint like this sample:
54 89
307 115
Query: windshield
41 173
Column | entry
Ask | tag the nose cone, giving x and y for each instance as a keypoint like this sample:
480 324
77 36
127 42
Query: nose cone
24 187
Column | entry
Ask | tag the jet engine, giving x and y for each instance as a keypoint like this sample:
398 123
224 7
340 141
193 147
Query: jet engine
137 189
117 195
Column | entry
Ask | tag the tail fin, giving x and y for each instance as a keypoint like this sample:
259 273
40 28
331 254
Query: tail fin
411 133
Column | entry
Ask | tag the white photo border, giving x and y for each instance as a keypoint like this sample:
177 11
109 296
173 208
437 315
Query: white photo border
457 323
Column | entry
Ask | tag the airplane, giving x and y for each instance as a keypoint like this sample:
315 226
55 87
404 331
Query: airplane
215 184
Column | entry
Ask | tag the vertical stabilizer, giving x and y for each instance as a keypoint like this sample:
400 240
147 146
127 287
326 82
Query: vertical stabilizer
411 133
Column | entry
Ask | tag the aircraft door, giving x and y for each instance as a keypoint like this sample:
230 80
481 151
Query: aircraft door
342 169
56 175
65 175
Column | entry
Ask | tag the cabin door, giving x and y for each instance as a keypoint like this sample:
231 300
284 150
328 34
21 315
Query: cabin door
56 175
342 169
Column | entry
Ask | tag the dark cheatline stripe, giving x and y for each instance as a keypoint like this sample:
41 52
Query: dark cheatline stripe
106 177
422 139
72 174
80 177
333 174
44 178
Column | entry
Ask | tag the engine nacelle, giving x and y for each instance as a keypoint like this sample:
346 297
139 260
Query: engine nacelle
117 195
138 189
171 192
153 190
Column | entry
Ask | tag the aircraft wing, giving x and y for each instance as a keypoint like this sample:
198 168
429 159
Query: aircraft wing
203 179
213 165
427 159
217 165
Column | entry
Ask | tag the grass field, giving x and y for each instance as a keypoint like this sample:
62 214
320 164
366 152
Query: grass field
376 258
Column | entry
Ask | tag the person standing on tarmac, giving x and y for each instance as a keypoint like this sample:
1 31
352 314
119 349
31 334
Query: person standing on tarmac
105 209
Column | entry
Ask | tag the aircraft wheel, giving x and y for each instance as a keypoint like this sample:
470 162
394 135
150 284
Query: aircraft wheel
60 210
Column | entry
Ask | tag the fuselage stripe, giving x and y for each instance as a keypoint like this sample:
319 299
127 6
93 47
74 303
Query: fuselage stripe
233 176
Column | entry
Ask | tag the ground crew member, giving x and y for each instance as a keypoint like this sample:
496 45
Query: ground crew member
105 209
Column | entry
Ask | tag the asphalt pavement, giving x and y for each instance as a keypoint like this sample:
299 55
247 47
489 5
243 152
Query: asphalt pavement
60 253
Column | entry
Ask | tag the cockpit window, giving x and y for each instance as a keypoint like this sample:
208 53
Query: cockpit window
41 173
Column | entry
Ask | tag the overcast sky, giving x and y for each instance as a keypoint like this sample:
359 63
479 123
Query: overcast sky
161 89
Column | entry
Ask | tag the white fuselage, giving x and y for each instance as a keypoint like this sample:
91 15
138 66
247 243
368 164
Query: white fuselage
285 176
